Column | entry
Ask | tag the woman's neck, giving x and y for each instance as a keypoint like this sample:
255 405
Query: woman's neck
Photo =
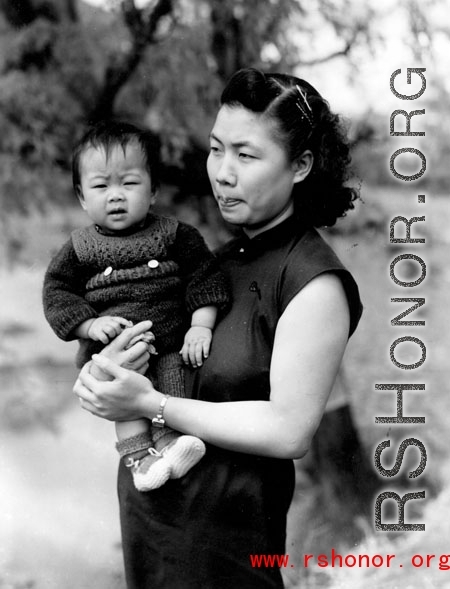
253 230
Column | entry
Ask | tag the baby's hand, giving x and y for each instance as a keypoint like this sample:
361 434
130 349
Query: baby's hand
197 343
105 329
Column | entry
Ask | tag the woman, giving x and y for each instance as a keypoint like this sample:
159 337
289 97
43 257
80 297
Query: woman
278 163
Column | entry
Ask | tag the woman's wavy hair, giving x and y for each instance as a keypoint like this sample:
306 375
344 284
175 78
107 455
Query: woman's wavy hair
303 120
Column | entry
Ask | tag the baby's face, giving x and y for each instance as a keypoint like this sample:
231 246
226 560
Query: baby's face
115 189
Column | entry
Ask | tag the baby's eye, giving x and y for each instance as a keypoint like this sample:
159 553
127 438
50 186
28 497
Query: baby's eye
131 180
99 186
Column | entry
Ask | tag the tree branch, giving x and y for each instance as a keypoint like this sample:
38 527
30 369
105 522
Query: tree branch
71 10
340 53
226 45
142 27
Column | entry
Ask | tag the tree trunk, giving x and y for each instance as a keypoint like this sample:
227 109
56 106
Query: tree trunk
142 27
116 76
226 44
69 10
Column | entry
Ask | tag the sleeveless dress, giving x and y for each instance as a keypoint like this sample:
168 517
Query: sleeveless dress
198 532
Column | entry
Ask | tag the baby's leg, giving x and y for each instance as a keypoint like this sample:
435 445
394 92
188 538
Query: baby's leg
129 429
134 444
133 440
180 451
135 447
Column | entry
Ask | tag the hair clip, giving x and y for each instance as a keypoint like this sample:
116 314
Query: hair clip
305 114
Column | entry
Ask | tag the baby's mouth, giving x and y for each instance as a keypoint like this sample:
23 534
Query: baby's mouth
117 212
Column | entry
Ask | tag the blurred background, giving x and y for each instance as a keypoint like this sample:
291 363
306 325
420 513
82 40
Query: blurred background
162 64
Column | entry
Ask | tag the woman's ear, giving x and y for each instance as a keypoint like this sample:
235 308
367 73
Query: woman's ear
303 165
80 196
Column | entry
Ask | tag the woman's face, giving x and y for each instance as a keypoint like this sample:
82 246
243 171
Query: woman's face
250 173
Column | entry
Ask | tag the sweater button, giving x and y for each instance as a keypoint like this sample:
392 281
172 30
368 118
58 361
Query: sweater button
153 264
108 271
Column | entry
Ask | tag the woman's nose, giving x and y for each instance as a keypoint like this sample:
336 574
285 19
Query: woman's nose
225 172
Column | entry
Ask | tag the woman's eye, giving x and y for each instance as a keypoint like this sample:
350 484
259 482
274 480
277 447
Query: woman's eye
245 156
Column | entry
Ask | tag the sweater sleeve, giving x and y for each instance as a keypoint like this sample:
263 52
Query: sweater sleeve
206 284
63 293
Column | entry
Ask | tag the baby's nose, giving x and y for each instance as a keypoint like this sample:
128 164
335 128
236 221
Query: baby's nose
115 194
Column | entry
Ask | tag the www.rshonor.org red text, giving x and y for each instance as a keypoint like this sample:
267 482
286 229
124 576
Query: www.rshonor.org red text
336 560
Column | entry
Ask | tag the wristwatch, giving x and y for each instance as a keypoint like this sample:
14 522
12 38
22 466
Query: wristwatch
158 420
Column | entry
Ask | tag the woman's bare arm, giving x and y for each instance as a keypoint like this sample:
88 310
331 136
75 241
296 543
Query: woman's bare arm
309 344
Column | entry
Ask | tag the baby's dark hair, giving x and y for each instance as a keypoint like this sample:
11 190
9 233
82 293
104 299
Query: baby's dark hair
302 120
108 134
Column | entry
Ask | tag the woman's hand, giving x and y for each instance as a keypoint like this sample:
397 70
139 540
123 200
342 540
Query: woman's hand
132 348
127 395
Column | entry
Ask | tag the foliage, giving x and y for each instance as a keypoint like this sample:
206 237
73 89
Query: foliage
162 64
40 112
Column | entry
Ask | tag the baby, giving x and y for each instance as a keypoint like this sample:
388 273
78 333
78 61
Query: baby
128 266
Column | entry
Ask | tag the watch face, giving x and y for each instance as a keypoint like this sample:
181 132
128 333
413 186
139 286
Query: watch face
158 421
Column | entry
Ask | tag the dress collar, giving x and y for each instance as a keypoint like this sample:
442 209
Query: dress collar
273 237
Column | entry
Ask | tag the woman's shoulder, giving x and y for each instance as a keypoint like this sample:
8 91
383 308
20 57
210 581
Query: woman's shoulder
313 250
310 257
305 256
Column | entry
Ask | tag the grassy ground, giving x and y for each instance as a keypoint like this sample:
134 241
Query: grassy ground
59 521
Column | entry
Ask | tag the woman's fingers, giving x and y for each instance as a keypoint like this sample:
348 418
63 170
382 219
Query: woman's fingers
88 406
124 339
105 364
90 391
131 348
141 368
84 382
139 350
83 389
148 337
140 365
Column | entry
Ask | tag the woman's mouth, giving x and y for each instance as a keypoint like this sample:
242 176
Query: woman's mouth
227 202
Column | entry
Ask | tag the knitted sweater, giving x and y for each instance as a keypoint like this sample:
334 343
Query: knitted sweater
162 272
